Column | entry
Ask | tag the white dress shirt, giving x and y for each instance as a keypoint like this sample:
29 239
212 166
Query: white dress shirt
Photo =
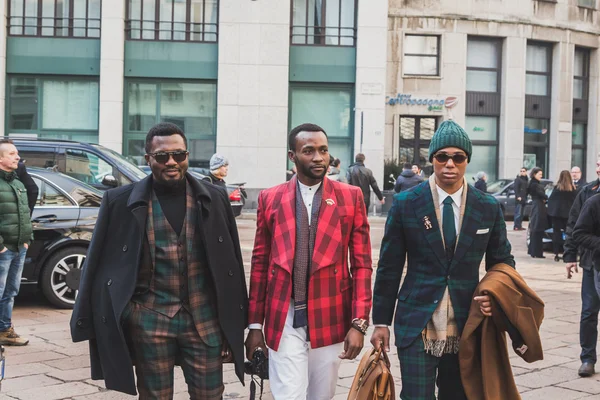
456 202
308 195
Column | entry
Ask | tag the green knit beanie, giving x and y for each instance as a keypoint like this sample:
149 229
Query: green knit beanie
450 134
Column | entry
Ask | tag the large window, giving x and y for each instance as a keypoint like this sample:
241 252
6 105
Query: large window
539 69
578 145
329 107
64 18
422 55
190 105
581 79
483 131
581 74
324 22
587 3
179 20
64 108
535 152
414 140
483 65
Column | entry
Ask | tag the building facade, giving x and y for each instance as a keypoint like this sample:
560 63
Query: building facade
520 75
236 75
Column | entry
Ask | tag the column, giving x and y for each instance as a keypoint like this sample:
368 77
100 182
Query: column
112 64
371 56
3 37
252 120
512 114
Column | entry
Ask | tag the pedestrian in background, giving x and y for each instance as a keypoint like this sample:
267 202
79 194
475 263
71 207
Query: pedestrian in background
16 234
590 301
578 181
538 220
559 204
416 168
407 179
520 186
361 176
481 183
335 171
218 169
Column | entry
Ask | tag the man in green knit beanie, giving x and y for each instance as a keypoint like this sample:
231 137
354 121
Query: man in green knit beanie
444 226
15 236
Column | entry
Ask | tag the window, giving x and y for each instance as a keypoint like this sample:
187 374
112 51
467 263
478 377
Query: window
581 74
587 3
324 22
85 166
61 18
331 107
414 140
483 65
179 20
60 108
48 196
536 144
42 157
190 105
578 146
483 132
539 69
422 55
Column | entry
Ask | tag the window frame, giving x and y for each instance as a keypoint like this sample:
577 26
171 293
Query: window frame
585 79
590 7
323 36
548 47
437 56
40 18
157 23
497 43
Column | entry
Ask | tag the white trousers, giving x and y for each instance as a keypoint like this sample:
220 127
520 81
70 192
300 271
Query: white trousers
297 372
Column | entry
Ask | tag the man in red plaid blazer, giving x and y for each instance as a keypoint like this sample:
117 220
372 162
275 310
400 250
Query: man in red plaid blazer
313 308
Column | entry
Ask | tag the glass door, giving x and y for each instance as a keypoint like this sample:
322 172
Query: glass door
415 135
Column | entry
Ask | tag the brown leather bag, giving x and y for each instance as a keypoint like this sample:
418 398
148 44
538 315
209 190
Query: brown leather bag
373 379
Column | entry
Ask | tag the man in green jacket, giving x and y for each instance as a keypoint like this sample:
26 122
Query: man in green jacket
15 236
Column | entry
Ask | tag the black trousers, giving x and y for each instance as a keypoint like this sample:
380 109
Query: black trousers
588 324
558 227
536 245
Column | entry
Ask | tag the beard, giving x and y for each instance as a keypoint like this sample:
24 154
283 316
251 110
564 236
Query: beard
309 173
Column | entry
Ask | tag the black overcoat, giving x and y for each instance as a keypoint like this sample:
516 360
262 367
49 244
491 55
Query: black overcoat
110 272
538 220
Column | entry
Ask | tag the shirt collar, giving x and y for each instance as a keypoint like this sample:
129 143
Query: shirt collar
309 189
456 197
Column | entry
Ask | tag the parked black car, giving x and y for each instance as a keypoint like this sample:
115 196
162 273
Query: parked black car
63 220
503 191
96 165
236 192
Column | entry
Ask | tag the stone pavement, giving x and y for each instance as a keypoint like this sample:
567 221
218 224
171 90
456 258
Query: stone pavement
52 367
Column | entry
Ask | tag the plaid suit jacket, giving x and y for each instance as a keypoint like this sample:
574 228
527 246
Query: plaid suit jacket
336 293
483 231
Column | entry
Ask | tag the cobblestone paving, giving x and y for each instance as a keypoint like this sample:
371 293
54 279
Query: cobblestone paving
52 367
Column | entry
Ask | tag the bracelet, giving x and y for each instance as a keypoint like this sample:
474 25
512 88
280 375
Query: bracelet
358 329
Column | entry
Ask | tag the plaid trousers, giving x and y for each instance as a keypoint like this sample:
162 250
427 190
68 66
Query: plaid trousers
157 341
421 371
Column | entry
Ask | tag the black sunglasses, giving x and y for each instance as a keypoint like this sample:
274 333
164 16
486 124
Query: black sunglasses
162 157
444 157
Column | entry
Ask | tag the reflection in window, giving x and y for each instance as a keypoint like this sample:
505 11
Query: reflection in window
49 196
324 22
86 167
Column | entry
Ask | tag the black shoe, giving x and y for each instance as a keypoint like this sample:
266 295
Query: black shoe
556 258
586 370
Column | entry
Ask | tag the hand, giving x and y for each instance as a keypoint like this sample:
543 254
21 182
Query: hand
570 267
485 305
353 344
381 336
226 353
26 246
254 340
518 199
4 250
383 201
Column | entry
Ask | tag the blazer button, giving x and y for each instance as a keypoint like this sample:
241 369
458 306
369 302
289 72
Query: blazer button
241 306
220 239
109 282
273 271
435 302
103 320
335 271
125 248
80 323
230 273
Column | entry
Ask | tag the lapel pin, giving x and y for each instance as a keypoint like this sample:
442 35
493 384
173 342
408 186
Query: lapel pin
330 202
427 222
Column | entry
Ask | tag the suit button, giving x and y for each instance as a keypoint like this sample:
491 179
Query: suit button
241 306
273 271
80 323
182 259
448 277
230 273
109 282
179 244
335 271
125 248
182 286
220 239
435 302
103 320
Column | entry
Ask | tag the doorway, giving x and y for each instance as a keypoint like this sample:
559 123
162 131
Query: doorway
415 134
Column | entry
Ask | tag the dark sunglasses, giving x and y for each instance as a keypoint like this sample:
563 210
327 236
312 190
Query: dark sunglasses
163 156
444 157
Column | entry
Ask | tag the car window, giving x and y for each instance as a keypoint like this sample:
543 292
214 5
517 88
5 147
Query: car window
49 196
42 157
86 167
122 163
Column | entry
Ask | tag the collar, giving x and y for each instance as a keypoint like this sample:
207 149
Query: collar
8 176
142 191
456 197
309 189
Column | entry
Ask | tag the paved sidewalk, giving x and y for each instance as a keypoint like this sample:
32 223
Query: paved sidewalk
52 367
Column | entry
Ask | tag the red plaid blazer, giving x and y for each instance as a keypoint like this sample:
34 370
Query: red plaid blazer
336 293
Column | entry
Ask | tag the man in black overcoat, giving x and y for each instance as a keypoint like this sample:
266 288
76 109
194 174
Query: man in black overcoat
163 281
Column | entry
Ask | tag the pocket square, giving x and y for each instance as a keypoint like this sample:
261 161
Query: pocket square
482 231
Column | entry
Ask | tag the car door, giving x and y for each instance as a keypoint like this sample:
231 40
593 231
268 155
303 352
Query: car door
86 167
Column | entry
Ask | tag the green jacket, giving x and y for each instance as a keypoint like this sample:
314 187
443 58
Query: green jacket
15 222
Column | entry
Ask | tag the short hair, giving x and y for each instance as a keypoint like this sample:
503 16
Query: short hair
336 163
480 175
360 157
5 141
163 129
534 172
306 127
407 165
525 168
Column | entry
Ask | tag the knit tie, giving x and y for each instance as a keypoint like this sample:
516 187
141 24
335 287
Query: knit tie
448 227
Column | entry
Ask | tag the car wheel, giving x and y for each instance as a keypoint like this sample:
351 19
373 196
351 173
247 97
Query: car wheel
61 274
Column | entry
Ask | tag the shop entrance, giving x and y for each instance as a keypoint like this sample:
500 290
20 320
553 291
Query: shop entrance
414 135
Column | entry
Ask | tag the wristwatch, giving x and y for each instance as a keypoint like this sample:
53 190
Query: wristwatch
360 325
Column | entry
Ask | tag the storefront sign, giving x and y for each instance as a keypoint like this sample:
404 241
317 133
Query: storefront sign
431 104
478 129
535 131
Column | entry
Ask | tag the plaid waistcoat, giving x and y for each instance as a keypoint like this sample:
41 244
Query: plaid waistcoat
179 274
